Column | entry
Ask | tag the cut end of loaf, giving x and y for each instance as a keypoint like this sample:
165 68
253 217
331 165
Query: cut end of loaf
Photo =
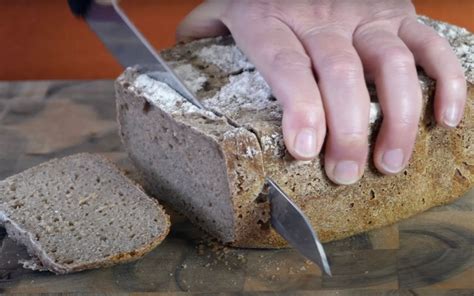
80 212
196 160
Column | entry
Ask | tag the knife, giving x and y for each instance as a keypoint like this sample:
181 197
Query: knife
126 43
293 225
130 48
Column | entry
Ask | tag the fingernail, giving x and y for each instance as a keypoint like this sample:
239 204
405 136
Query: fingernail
451 116
392 160
346 172
305 143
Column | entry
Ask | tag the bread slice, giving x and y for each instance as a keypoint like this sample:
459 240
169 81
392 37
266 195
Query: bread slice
80 212
211 165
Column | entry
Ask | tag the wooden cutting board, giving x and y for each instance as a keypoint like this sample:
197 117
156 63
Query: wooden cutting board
430 254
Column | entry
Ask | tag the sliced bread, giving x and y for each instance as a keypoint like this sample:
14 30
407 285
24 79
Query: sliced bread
210 164
80 212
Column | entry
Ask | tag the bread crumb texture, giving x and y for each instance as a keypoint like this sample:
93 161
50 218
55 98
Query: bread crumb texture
79 212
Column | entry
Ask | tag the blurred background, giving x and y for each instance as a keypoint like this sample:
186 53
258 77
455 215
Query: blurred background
41 39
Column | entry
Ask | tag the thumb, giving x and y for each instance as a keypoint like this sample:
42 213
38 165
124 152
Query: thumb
203 21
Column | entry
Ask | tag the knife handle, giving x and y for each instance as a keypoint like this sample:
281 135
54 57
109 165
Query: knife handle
81 7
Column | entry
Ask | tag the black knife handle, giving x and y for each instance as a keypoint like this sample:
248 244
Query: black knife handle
79 7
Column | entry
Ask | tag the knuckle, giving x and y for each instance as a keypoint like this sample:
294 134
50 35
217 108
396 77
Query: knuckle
398 58
457 78
350 137
240 13
456 87
341 65
287 58
408 121
307 110
301 105
403 122
438 43
256 9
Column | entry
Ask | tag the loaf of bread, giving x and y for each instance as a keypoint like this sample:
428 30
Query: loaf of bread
211 164
79 212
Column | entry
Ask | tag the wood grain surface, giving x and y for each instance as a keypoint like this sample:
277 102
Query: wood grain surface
43 40
430 254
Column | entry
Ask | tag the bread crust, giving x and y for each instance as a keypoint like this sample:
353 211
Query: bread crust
441 170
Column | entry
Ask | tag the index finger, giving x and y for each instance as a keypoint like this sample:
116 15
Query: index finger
281 59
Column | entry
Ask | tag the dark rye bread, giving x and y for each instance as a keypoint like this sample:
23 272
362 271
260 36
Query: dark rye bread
212 167
78 213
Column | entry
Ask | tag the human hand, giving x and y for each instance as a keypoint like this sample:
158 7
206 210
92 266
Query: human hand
314 53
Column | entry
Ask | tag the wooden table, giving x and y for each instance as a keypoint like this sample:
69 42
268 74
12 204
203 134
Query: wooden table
430 254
